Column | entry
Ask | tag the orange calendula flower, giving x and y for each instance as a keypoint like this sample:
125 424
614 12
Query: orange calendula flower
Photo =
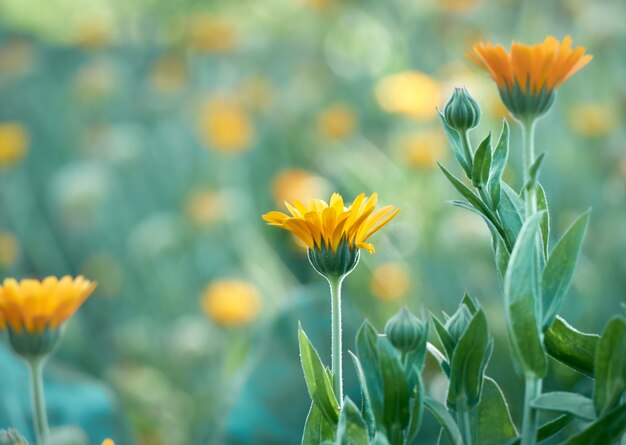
528 75
321 225
34 306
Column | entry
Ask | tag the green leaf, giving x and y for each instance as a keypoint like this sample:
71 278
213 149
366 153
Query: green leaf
445 420
379 439
542 204
465 191
367 352
469 362
606 430
441 359
471 304
519 299
571 347
482 163
317 381
317 429
444 338
498 164
454 139
533 172
395 386
368 415
351 429
548 429
495 231
493 424
417 409
566 402
502 257
610 366
559 269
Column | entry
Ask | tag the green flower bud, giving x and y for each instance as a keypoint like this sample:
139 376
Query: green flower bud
405 331
334 264
461 111
32 345
11 437
458 323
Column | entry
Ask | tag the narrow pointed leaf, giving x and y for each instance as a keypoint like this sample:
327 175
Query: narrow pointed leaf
566 402
606 430
610 365
417 409
511 211
368 414
445 419
520 296
395 386
482 163
367 352
498 164
548 429
465 191
317 429
351 429
542 204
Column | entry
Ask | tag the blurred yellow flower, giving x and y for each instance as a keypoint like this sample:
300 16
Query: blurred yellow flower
319 5
390 281
411 93
34 305
592 119
9 249
423 149
528 75
107 442
169 74
206 207
212 33
93 33
326 225
225 125
231 302
457 5
337 122
298 185
13 143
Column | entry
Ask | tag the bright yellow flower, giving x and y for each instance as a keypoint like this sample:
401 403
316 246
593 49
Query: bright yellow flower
13 143
231 302
325 225
107 442
34 305
528 75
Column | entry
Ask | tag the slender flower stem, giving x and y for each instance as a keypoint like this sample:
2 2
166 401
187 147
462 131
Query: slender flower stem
530 420
528 131
40 418
336 352
467 150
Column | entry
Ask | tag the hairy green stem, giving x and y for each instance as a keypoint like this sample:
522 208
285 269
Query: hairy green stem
40 417
530 419
467 150
336 352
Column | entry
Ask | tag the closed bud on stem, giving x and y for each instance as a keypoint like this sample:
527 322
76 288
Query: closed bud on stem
458 323
461 111
11 437
405 331
334 264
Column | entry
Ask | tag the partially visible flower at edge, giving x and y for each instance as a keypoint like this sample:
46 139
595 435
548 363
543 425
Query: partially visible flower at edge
528 75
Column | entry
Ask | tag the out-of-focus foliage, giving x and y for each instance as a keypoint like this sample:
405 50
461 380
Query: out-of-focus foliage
141 141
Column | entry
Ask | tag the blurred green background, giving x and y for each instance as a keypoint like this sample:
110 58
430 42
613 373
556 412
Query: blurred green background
140 141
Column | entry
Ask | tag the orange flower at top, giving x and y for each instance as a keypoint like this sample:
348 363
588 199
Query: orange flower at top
528 75
320 225
33 306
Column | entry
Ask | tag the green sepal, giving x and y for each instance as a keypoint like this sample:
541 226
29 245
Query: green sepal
610 366
571 347
317 428
445 419
566 402
520 302
606 430
482 163
469 360
317 380
559 269
498 164
494 425
351 429
454 139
